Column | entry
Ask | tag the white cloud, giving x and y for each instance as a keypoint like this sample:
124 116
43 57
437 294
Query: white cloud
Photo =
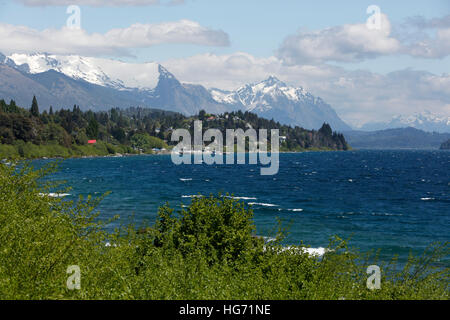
416 37
114 42
350 42
426 38
98 3
357 96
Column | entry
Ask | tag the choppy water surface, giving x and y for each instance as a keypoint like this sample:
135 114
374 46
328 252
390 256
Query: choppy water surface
394 200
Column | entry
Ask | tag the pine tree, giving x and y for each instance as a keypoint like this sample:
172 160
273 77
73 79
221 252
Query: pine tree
326 130
34 107
92 129
202 115
51 111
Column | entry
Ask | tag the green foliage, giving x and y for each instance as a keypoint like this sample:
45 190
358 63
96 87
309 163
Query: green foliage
81 138
207 251
297 139
34 107
139 128
9 108
326 130
65 133
29 150
55 133
39 235
146 142
220 228
92 129
119 134
8 152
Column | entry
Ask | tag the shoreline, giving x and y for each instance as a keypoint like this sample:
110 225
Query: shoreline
120 155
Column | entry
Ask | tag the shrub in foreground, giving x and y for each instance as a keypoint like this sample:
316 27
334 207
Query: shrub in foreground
206 251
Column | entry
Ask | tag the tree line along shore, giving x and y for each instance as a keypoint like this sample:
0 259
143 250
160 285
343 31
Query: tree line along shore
29 133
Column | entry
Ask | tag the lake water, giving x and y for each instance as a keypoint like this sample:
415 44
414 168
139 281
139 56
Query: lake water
393 200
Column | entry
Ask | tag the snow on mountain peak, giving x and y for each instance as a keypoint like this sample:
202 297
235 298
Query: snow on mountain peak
271 89
420 118
104 72
272 98
260 95
223 96
425 120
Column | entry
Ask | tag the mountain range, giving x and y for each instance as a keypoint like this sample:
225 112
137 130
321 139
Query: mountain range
101 84
425 121
400 138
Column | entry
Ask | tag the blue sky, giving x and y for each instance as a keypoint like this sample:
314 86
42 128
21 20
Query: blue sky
255 31
254 26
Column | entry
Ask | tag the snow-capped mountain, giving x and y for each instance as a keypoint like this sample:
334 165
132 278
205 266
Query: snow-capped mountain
256 97
99 84
426 121
104 72
275 99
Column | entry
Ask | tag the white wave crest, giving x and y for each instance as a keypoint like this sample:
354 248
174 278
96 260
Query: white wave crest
54 195
262 204
243 198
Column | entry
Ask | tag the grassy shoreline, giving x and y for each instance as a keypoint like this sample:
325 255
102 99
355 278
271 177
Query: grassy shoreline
28 151
101 149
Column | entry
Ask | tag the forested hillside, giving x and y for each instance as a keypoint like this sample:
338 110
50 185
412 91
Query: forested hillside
400 138
28 133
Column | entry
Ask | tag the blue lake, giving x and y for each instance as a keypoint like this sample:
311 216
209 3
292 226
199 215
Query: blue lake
396 201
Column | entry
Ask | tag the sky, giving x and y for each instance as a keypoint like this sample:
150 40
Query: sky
369 66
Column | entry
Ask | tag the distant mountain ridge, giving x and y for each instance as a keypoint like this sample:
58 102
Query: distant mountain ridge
400 138
425 121
101 84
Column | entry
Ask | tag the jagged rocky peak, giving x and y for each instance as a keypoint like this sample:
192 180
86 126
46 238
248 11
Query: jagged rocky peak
273 98
271 88
164 73
272 81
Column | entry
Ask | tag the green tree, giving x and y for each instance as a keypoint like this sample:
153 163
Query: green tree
34 107
81 137
119 134
222 228
202 115
92 129
146 142
326 130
